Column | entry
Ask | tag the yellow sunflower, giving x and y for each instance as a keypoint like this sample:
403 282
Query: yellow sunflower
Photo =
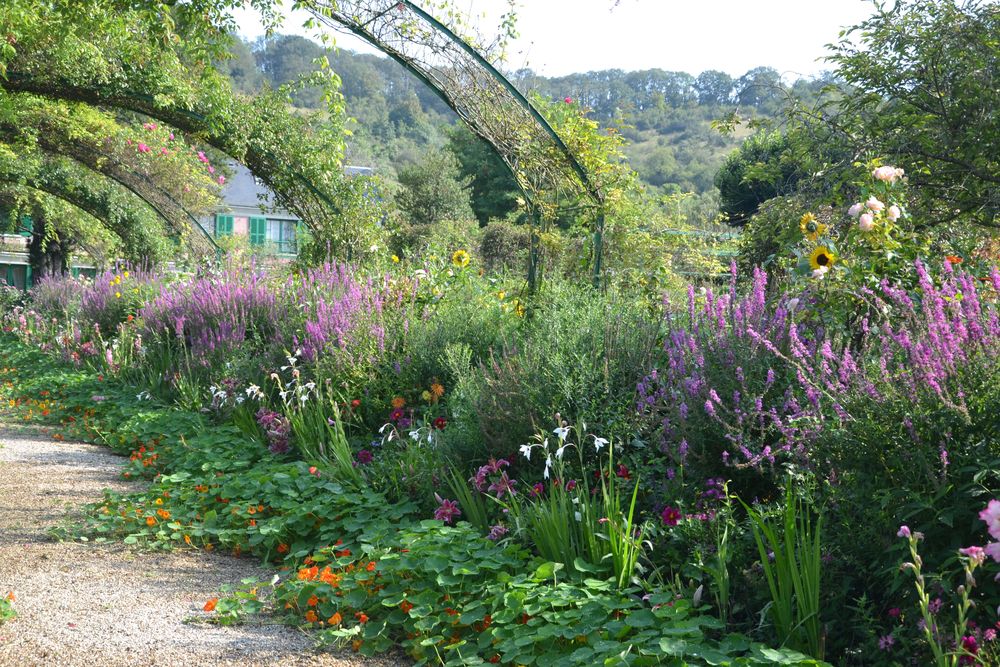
821 257
811 228
460 258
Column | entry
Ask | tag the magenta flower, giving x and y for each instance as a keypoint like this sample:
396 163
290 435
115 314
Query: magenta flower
670 516
904 531
447 511
364 457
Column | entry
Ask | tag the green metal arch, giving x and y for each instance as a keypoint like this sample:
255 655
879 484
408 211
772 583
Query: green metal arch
105 204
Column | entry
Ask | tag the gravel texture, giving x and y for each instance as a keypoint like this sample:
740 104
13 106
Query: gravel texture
107 605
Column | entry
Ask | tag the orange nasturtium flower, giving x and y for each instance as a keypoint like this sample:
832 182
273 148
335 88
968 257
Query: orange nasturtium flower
313 601
371 566
361 616
210 605
10 597
150 521
335 619
953 259
406 606
311 616
187 540
282 548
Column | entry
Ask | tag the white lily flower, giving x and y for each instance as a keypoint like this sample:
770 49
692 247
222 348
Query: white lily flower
562 432
384 427
548 462
310 385
253 390
526 451
415 435
559 452
599 442
578 516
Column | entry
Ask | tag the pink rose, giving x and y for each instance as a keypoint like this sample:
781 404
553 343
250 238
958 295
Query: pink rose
866 222
855 210
874 204
893 213
568 100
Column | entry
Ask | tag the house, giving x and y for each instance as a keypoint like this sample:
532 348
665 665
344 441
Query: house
248 210
15 269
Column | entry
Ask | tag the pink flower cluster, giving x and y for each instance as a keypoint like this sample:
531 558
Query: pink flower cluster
991 515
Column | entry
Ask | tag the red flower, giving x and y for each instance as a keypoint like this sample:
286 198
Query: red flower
356 403
623 471
440 423
568 100
670 515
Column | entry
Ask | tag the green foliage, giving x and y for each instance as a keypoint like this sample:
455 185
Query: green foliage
756 171
919 89
793 577
432 191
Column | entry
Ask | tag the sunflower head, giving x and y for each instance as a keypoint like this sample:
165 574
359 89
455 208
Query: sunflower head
822 257
460 258
811 228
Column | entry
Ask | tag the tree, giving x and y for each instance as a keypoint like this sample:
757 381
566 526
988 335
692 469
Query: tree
714 87
433 190
921 89
753 173
494 190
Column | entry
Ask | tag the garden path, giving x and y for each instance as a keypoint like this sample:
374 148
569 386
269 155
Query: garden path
86 605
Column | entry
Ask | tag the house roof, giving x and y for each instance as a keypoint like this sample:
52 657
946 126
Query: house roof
243 190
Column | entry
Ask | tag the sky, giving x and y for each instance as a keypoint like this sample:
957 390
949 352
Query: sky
560 37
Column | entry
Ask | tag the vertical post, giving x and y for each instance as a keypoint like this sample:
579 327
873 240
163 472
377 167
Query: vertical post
533 253
598 248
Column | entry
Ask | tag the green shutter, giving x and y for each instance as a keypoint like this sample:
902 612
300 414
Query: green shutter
27 225
258 231
10 275
223 225
27 277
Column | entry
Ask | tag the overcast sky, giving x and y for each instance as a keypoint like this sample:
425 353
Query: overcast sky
564 36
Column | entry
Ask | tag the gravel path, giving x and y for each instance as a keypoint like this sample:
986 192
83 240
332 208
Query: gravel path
105 605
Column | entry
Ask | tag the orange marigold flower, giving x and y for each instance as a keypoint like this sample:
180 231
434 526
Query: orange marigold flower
398 402
163 514
150 521
282 548
210 605
406 606
437 390
313 601
335 619
311 616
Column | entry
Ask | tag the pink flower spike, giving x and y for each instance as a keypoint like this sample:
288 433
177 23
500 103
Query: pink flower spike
974 554
904 531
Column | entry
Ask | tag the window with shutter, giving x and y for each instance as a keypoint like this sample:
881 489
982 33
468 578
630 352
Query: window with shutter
223 225
258 231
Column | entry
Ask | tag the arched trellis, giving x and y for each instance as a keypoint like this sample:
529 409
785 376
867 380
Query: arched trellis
115 210
52 139
491 106
259 133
